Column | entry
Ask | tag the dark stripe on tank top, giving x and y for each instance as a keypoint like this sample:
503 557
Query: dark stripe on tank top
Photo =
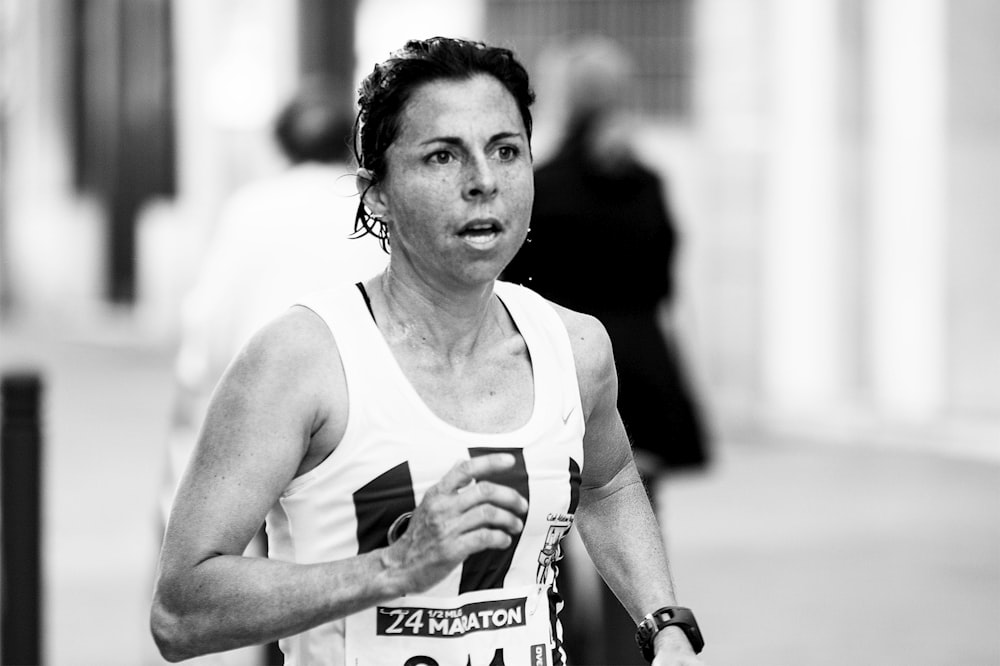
487 569
379 503
574 485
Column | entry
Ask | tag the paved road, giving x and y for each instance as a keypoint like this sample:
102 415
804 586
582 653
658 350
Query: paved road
793 553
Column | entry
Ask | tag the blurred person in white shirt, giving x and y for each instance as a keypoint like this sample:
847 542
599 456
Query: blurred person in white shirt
277 239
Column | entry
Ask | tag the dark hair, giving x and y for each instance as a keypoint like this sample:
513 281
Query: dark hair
315 125
384 93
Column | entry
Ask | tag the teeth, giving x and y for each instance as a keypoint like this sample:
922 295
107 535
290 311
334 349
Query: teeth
481 235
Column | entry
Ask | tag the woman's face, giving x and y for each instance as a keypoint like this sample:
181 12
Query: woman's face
459 185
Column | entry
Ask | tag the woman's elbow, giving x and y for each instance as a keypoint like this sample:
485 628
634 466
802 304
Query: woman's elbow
168 632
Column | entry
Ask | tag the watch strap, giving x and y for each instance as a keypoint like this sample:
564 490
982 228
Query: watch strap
668 616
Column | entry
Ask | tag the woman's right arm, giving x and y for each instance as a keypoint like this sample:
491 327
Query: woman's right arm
282 404
282 394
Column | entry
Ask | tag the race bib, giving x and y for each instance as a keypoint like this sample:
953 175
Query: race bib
500 627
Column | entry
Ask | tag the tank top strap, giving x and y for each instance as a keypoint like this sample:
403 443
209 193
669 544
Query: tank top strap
545 334
347 313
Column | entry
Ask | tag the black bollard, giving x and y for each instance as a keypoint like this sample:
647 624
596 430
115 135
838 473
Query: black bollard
20 518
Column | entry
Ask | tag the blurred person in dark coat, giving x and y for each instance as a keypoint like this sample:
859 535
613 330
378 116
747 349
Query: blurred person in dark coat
603 241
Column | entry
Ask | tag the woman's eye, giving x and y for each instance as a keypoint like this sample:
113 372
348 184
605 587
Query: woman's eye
441 157
507 153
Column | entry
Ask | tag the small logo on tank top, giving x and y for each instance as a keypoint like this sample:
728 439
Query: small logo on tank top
551 552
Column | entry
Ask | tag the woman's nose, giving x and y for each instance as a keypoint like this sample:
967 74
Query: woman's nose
481 181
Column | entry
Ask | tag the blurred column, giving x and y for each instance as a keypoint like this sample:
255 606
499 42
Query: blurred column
803 343
907 316
730 102
973 208
326 43
122 108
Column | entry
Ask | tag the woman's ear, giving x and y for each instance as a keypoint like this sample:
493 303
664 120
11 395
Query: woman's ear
363 179
368 189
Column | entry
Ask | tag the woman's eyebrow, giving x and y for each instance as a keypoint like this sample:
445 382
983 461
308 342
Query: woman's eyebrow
456 141
451 140
505 135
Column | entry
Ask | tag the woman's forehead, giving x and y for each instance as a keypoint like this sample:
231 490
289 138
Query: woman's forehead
450 105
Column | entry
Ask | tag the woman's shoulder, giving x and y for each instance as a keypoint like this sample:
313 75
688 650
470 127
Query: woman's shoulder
592 351
296 332
296 348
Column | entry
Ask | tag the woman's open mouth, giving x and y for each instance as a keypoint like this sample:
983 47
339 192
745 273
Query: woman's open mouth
481 232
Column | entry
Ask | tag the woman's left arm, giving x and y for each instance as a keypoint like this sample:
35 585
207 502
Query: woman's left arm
615 519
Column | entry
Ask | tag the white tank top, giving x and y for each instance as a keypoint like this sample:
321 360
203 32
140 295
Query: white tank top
499 607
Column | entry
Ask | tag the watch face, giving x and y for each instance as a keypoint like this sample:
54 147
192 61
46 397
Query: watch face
644 634
665 617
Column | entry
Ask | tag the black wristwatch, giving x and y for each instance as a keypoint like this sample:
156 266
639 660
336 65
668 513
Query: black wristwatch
668 616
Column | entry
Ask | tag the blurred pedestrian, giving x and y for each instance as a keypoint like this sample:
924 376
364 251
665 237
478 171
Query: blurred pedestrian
277 239
603 241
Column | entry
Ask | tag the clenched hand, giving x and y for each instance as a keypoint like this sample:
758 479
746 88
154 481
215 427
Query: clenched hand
459 516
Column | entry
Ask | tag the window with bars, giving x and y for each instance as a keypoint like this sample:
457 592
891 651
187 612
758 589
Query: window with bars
657 33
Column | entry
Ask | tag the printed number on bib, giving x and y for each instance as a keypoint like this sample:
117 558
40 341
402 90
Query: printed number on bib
504 627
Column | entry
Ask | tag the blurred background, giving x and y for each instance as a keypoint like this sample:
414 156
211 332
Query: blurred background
834 167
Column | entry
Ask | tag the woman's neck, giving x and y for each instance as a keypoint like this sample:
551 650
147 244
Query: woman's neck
450 323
